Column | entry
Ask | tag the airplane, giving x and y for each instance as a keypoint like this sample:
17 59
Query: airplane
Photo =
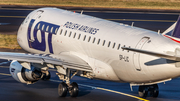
77 44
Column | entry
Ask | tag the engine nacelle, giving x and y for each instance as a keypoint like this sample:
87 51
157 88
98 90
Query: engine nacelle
23 75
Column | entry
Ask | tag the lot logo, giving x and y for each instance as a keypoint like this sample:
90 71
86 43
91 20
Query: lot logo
46 31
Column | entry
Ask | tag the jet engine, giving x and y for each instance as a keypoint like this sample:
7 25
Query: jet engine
24 75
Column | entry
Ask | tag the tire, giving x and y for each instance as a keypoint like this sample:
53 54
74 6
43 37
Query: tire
155 91
73 91
62 89
143 91
46 77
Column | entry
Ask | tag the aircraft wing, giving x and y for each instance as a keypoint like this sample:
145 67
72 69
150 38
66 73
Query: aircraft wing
64 59
175 57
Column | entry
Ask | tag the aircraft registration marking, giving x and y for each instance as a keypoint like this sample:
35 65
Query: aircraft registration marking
125 58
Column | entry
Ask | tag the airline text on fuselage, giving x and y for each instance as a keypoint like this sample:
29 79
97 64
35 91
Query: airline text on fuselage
82 28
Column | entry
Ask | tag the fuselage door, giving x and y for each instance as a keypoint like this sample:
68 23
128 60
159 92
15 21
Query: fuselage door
136 56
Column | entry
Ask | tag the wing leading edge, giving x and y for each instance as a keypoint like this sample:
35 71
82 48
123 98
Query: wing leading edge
67 60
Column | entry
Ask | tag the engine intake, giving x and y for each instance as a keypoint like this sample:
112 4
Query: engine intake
23 75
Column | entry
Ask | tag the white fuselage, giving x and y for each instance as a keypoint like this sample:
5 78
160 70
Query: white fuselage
99 42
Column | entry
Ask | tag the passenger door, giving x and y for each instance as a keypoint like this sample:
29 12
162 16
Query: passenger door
136 55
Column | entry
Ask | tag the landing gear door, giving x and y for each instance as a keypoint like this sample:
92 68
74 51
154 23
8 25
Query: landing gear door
136 55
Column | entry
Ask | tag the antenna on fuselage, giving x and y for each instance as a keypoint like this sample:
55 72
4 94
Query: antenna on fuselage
132 24
81 12
158 31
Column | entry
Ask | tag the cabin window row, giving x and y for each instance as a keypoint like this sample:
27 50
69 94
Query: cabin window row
109 43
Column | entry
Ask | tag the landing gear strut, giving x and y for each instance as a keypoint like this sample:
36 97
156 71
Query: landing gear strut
153 89
46 76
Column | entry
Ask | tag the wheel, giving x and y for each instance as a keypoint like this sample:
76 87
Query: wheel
155 91
73 90
143 91
46 77
62 89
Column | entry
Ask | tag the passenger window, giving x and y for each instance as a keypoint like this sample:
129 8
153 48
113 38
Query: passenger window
51 29
74 35
65 33
70 34
79 36
43 27
84 38
38 26
61 31
89 39
103 42
114 45
56 30
118 46
94 40
98 41
47 28
109 43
